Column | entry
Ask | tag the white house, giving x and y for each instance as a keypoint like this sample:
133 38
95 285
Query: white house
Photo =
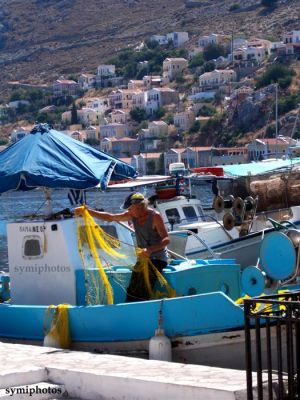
159 97
85 116
216 78
113 130
178 38
260 149
184 120
99 104
119 117
291 37
120 147
160 39
86 81
92 132
212 38
105 70
146 163
65 87
172 67
151 139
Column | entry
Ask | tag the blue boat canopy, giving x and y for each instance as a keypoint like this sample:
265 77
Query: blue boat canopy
48 158
260 167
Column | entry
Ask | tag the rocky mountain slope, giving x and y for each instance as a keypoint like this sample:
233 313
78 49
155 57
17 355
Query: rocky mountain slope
42 39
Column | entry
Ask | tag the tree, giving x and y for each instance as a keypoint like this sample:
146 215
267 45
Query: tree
196 61
74 116
276 73
159 113
213 51
138 114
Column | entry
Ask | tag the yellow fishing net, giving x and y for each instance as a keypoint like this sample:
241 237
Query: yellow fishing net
99 249
56 327
145 266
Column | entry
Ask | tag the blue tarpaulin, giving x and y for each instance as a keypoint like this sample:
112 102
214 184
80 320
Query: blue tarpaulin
48 158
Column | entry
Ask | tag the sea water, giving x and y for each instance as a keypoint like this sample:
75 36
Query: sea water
17 206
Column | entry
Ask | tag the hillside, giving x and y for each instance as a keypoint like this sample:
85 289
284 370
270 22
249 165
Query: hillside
42 39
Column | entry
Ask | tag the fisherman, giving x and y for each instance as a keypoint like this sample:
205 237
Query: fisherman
151 237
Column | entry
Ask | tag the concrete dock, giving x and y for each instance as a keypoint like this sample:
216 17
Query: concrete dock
31 372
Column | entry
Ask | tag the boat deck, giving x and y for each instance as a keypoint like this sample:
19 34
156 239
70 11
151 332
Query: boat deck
91 376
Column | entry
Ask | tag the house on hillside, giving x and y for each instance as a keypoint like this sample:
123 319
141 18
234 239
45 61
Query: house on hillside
212 38
135 84
152 138
106 76
215 79
152 81
92 132
147 163
113 130
120 147
173 67
119 116
159 97
127 99
260 149
184 120
177 38
196 156
99 104
65 87
291 41
87 81
85 116
228 155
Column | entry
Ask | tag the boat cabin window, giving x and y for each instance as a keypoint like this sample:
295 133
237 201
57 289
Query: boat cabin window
200 211
173 216
189 212
110 230
32 247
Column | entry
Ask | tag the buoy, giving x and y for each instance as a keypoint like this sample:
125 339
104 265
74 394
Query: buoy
160 346
51 341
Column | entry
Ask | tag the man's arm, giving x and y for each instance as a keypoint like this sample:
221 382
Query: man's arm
105 216
159 225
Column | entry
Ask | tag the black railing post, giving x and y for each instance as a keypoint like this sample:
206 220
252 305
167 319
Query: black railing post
247 307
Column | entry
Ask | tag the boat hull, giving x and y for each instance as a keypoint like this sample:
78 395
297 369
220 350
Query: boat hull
193 323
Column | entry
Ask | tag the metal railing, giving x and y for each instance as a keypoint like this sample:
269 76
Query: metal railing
272 340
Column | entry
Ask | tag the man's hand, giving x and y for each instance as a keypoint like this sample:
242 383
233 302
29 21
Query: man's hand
144 253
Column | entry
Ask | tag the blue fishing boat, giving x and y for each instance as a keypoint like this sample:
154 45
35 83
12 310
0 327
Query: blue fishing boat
203 320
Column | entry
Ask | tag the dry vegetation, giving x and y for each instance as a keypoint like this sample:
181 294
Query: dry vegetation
42 39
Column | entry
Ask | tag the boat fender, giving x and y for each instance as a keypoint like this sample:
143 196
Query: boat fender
51 341
160 346
4 288
228 221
